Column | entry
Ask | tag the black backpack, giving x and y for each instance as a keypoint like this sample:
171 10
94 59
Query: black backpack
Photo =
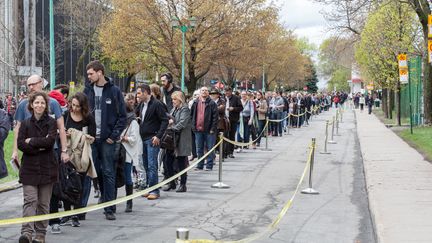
69 187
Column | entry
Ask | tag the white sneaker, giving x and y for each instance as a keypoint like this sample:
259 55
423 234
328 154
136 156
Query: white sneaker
55 229
239 150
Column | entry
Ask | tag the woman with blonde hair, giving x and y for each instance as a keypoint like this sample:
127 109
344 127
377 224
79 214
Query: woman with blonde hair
182 125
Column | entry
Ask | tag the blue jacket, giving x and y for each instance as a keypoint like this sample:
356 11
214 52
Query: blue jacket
4 132
113 117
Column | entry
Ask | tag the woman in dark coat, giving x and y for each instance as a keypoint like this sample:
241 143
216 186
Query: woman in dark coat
39 168
181 124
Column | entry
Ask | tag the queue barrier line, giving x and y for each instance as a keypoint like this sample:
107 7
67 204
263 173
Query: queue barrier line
275 222
251 142
4 222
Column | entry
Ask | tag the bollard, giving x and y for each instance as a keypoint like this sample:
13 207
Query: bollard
325 140
298 118
337 128
182 234
305 121
288 124
341 116
220 184
267 135
332 141
310 189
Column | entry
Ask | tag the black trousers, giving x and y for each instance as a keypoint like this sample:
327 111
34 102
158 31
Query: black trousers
231 135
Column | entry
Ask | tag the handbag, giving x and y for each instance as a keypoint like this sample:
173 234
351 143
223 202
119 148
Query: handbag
168 140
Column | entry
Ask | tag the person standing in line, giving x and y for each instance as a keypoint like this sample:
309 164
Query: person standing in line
154 122
78 117
261 105
181 124
131 140
108 108
168 89
4 132
39 166
246 119
233 108
204 124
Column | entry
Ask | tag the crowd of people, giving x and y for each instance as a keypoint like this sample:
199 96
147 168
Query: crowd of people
111 139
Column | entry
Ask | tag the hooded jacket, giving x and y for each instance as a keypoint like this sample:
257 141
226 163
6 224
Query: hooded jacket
113 115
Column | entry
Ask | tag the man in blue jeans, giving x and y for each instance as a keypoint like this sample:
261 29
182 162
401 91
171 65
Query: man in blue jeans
204 125
109 110
153 122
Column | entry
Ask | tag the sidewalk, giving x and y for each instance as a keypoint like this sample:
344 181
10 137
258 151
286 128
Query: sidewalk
399 184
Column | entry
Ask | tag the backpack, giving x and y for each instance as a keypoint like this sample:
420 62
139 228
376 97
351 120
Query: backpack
69 187
168 140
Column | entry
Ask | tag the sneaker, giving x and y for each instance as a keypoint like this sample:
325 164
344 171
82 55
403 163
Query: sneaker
110 216
196 168
208 169
231 156
239 150
153 196
55 229
65 221
75 222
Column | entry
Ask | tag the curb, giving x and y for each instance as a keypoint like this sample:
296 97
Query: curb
369 188
10 186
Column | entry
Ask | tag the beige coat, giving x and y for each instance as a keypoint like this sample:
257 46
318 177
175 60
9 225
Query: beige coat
80 152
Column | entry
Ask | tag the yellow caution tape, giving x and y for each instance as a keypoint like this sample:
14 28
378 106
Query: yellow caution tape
90 208
275 222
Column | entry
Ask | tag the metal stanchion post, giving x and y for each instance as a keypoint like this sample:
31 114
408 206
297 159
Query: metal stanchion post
182 234
332 141
341 116
267 135
305 122
298 117
325 140
337 128
288 124
310 189
220 184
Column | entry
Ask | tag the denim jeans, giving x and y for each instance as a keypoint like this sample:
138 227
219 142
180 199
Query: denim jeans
261 124
86 191
104 159
128 174
205 140
277 126
150 161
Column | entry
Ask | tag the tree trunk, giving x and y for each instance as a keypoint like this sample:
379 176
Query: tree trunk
390 104
128 81
385 103
398 103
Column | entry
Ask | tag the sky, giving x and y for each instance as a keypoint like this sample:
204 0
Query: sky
306 19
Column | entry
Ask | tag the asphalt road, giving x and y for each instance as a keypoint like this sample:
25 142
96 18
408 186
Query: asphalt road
261 184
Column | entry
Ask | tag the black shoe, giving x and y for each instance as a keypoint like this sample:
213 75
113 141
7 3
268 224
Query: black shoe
25 238
75 222
231 156
65 221
169 186
82 216
110 216
129 191
182 188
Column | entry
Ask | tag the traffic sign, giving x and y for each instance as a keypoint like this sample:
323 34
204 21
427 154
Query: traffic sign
402 58
403 75
72 85
430 51
430 26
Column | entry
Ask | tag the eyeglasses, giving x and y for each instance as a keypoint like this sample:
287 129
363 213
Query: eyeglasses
33 84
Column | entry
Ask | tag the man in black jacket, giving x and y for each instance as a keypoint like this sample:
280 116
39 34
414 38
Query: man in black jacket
233 108
204 125
153 123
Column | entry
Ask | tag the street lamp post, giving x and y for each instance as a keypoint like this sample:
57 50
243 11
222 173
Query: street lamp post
175 23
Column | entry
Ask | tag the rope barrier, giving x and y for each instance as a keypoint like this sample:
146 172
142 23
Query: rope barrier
249 143
275 222
95 207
